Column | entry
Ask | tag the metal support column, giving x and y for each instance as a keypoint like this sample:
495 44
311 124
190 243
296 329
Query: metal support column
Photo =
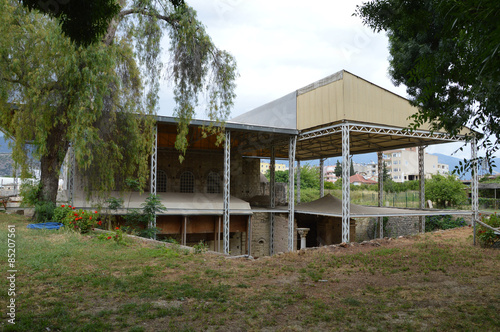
380 192
226 190
291 191
154 164
474 185
272 196
71 175
346 189
249 236
298 181
421 175
321 177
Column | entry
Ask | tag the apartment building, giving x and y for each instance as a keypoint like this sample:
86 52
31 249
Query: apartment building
264 166
402 164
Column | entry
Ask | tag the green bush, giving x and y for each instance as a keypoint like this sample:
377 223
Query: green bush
137 221
44 211
433 223
61 212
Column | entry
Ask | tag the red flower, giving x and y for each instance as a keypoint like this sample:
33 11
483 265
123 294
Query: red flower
95 212
99 223
117 228
62 205
90 218
73 207
75 214
109 237
83 212
69 206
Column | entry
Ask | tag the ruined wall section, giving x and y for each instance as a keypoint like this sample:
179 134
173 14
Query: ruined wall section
261 233
367 228
245 172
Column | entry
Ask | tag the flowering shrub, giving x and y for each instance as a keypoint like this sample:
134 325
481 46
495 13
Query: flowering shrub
117 237
486 236
80 220
61 212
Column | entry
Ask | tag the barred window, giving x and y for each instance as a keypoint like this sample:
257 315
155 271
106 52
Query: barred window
187 182
161 182
213 183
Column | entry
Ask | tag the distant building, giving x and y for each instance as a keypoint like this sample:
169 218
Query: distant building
402 164
369 170
277 167
358 179
329 173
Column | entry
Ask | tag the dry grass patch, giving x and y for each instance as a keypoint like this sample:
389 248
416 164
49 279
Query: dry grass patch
432 281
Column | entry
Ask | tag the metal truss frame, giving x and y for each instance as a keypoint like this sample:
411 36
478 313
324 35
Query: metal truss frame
298 181
421 175
291 203
380 191
71 175
474 185
346 190
375 129
226 190
321 178
272 196
154 165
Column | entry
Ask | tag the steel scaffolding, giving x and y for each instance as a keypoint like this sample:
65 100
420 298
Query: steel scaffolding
298 181
291 197
154 164
380 191
226 190
474 185
321 178
71 175
375 129
421 175
272 196
346 190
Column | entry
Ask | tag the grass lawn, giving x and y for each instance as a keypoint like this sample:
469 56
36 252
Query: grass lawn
72 282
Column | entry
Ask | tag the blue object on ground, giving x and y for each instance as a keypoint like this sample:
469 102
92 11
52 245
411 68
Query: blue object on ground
46 225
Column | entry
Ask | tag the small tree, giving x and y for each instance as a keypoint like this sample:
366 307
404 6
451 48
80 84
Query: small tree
445 190
338 169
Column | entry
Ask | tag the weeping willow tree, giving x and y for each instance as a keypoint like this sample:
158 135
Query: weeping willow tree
100 97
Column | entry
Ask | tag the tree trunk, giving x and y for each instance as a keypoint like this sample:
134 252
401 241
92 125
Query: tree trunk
51 163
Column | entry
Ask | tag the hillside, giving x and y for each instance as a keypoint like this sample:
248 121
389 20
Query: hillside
6 165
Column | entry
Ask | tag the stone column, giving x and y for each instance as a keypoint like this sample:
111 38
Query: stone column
303 233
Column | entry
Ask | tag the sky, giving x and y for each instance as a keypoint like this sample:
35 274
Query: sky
281 46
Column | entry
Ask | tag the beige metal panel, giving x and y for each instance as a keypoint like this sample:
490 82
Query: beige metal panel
366 102
320 106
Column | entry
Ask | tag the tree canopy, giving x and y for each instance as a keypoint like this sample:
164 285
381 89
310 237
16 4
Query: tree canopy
447 54
338 169
445 190
100 98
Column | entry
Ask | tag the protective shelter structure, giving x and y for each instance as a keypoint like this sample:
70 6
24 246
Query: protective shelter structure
340 115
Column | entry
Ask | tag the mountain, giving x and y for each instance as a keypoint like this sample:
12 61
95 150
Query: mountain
4 145
454 162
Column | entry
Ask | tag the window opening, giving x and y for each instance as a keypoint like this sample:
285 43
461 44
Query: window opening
213 183
187 182
161 182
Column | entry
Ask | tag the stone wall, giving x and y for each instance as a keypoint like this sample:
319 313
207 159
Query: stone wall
261 231
395 226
